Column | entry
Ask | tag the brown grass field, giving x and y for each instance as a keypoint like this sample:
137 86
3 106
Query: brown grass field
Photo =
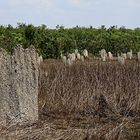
93 100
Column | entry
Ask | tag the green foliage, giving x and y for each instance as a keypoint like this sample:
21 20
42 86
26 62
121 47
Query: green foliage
50 43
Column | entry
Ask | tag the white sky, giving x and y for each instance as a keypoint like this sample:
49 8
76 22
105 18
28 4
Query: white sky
70 13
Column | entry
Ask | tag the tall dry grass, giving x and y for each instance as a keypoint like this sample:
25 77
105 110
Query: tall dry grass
93 89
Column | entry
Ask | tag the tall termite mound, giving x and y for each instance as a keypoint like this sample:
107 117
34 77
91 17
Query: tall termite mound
19 74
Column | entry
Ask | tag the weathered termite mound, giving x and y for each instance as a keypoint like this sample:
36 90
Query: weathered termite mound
19 74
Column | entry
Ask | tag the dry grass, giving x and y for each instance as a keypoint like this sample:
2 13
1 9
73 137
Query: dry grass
86 101
99 89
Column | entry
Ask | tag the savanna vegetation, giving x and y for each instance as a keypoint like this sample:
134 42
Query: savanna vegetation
90 100
51 42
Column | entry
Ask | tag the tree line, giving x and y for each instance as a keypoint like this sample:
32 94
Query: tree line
50 43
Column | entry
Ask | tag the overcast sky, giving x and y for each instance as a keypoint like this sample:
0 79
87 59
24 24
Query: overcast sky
70 13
